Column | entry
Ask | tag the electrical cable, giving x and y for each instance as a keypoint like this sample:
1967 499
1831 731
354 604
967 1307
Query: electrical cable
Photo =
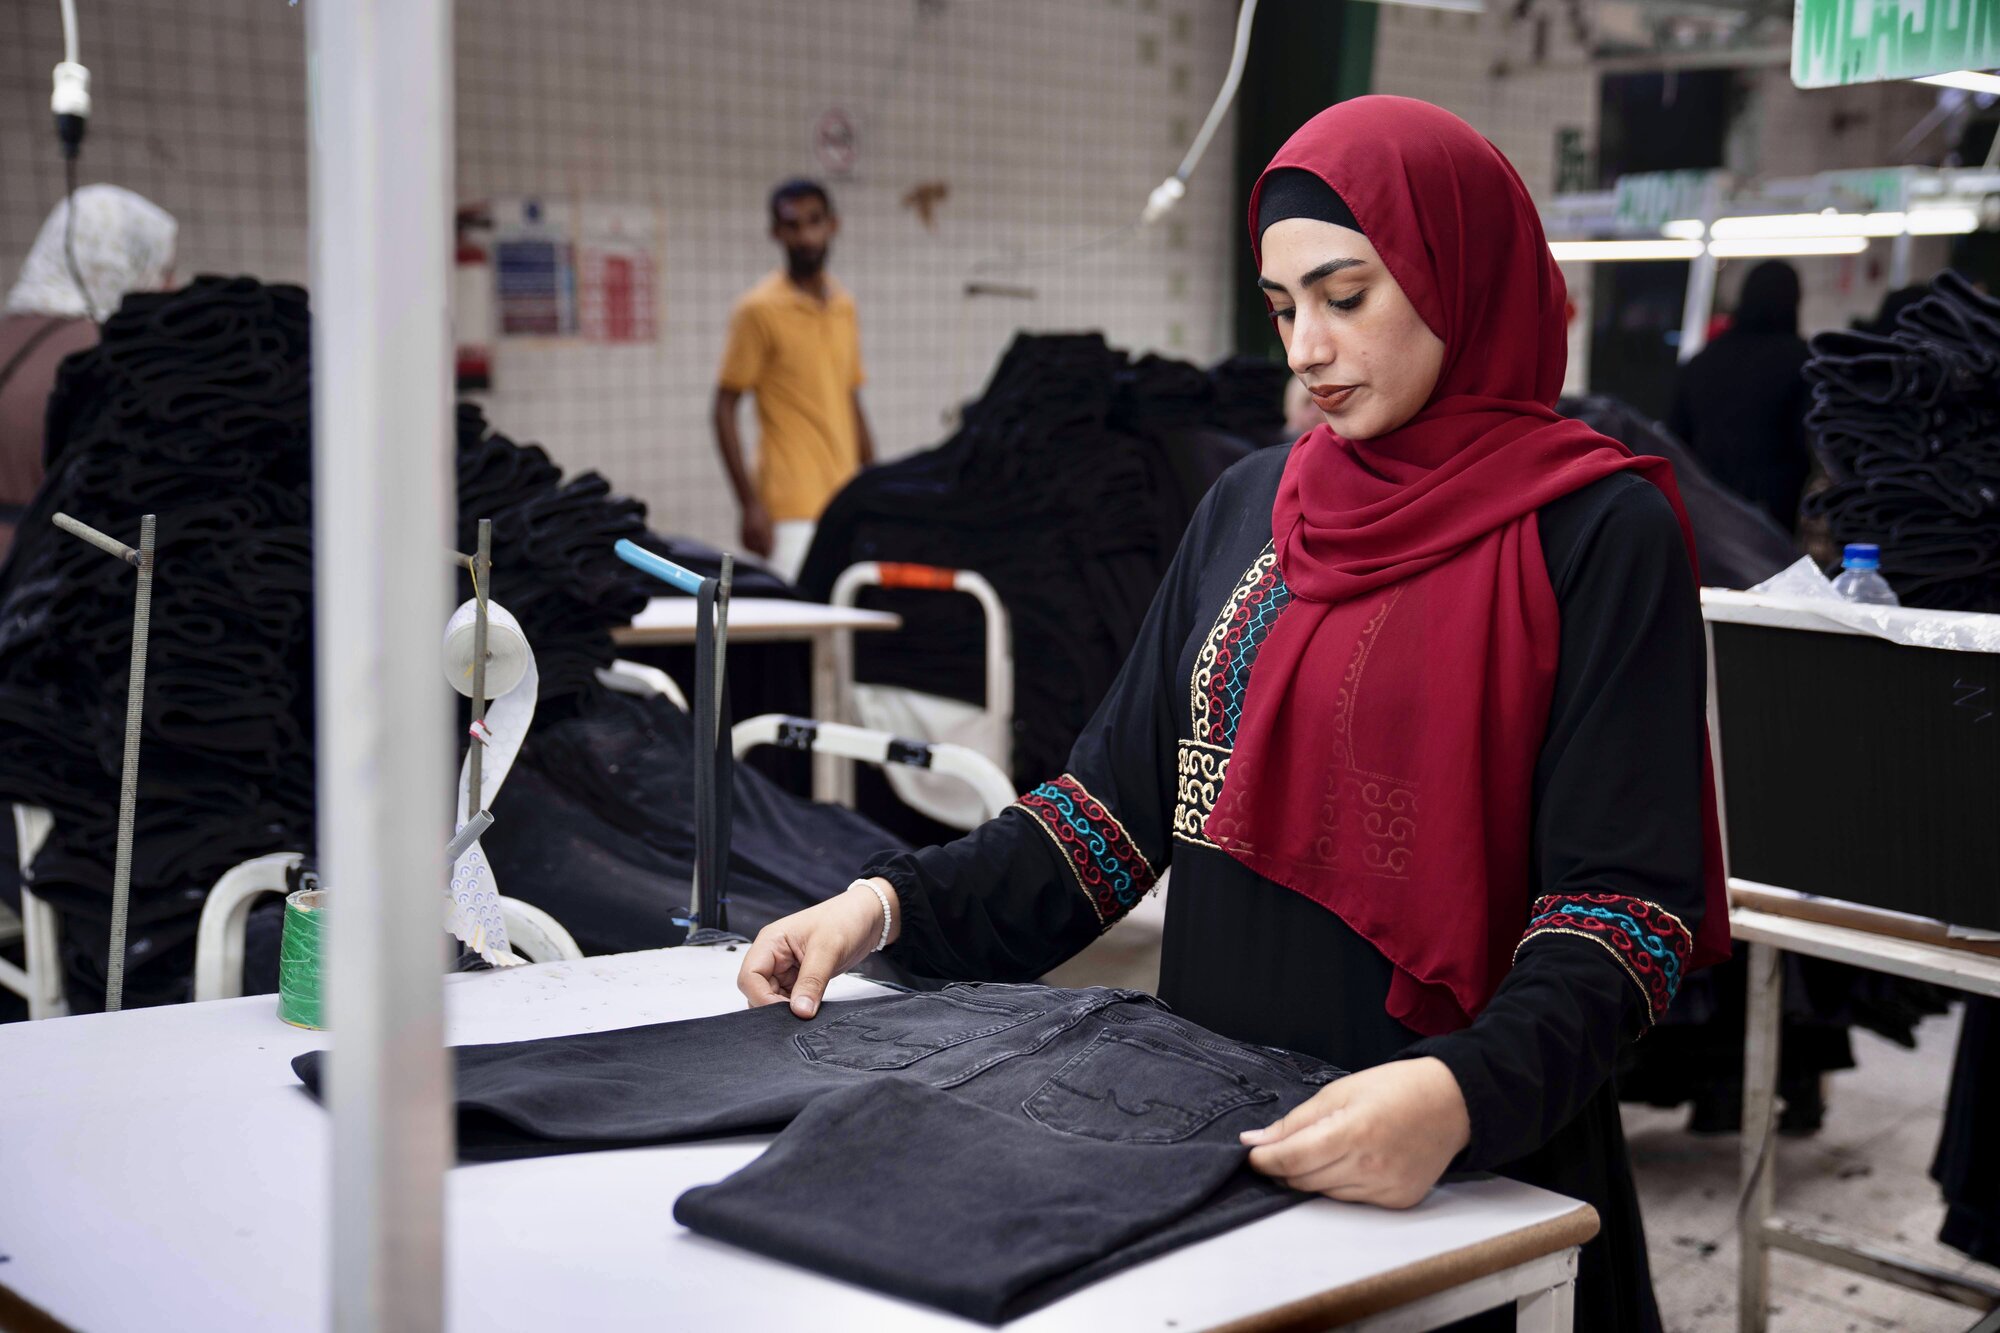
69 239
70 101
1171 190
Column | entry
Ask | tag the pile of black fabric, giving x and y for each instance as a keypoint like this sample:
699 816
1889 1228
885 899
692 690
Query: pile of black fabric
1068 486
196 406
1736 542
1907 426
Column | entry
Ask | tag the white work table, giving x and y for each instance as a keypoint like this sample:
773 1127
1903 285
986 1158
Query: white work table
162 1168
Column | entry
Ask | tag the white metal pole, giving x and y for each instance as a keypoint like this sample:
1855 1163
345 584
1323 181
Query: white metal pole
1899 259
379 80
1700 303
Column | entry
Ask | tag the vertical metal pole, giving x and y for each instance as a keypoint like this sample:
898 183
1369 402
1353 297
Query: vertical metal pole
128 781
1899 260
482 582
380 93
1700 303
1760 1090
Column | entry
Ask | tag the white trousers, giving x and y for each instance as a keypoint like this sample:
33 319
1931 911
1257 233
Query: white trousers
790 540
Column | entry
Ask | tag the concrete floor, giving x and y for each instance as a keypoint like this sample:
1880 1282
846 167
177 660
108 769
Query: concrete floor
1865 1174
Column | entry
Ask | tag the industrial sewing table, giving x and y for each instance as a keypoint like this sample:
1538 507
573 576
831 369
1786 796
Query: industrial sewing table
670 620
162 1169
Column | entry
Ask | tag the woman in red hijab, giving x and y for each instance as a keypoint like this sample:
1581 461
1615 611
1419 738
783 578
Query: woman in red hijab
1417 717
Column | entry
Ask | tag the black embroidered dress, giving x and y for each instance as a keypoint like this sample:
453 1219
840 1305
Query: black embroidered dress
1617 853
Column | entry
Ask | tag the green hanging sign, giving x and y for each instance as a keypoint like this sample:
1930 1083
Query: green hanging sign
1650 199
1836 42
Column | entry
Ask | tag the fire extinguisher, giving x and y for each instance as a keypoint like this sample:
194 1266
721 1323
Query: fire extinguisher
472 298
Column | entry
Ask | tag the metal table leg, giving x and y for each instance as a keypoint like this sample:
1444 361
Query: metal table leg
1550 1311
832 777
1760 1090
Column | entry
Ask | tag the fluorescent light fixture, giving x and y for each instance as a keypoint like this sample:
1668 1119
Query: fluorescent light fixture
1942 221
1685 229
1757 247
1972 80
1595 252
1758 226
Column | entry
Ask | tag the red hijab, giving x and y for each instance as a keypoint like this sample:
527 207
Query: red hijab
1385 760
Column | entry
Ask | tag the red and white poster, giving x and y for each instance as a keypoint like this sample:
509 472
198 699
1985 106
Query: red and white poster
617 271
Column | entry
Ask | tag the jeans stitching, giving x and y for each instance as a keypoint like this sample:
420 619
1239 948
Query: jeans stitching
1245 1094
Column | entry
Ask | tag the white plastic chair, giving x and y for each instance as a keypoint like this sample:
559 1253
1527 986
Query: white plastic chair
990 787
987 731
39 980
638 678
225 917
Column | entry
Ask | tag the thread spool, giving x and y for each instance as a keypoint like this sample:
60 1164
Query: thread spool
300 958
507 651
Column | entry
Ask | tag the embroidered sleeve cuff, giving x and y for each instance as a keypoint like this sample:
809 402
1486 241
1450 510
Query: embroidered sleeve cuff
1106 865
1645 939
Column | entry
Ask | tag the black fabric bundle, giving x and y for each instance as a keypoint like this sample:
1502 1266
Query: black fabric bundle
1068 486
1908 427
1736 543
596 825
196 406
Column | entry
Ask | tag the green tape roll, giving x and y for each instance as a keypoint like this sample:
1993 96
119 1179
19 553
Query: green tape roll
299 959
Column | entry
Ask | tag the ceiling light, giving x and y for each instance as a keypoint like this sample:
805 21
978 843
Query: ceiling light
1969 79
1942 221
1588 252
1809 224
1756 247
1685 229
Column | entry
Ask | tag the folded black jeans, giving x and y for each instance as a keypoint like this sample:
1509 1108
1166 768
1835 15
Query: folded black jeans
984 1149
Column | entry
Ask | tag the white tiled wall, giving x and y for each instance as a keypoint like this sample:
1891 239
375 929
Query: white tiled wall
197 104
1481 67
1048 121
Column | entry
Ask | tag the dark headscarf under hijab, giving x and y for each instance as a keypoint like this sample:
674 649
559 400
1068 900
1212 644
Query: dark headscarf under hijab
1396 710
1740 404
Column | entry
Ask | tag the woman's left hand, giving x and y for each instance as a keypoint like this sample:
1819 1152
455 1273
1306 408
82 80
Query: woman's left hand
1382 1136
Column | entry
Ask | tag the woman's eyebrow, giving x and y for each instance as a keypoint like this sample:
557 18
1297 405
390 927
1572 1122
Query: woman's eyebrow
1326 270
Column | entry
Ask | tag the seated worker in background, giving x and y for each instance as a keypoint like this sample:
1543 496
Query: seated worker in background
794 343
122 244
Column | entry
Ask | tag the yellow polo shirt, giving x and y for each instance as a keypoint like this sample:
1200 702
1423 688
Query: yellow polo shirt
802 359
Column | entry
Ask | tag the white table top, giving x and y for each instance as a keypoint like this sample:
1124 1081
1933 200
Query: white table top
162 1168
671 620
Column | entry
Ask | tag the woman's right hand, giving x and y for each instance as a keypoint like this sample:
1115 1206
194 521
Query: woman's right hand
794 958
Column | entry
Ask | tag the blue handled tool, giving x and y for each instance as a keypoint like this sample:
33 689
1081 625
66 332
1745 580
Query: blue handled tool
659 567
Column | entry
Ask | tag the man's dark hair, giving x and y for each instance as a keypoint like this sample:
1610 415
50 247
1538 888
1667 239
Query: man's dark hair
799 188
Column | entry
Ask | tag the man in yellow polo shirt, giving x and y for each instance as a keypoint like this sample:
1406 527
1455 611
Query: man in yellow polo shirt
794 343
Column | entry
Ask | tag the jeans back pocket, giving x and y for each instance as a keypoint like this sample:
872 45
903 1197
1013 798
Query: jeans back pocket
1131 1087
898 1033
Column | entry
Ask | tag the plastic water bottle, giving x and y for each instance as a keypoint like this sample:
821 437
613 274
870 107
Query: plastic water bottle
1861 576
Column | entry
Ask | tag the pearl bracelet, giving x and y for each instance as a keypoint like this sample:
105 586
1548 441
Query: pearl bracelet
882 898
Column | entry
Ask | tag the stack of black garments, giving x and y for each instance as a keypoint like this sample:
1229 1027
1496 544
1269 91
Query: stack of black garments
196 406
1908 428
1068 486
1907 424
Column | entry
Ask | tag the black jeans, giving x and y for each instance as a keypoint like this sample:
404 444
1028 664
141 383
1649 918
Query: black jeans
985 1149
